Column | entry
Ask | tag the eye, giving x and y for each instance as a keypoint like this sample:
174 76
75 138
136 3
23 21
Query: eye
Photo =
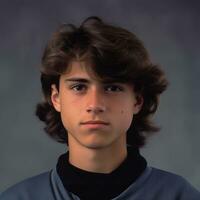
113 88
78 87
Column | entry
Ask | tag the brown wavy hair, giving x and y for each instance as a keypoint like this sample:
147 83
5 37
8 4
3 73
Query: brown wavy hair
116 54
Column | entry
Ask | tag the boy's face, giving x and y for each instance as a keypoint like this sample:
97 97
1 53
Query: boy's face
95 114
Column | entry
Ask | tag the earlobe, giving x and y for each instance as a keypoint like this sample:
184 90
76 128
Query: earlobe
139 103
55 99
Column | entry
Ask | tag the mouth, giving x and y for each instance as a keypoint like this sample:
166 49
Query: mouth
95 124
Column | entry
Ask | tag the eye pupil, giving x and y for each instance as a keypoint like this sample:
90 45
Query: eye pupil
78 87
113 88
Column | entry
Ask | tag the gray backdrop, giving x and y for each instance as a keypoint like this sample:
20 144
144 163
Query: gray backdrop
170 30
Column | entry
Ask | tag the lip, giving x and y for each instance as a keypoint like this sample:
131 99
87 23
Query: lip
97 122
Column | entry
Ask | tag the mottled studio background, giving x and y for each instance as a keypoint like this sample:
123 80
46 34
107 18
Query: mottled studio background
170 30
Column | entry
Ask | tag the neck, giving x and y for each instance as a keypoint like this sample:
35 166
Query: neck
97 160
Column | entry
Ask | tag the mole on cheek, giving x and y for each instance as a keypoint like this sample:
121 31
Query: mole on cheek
122 111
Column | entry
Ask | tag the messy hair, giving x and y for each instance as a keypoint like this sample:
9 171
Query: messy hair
116 55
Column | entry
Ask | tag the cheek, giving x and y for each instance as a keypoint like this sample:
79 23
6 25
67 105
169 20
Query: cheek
127 114
126 117
70 111
126 109
67 113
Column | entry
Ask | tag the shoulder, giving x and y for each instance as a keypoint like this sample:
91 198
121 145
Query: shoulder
29 188
167 182
166 177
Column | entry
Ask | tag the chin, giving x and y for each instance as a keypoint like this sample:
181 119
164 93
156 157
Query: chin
97 144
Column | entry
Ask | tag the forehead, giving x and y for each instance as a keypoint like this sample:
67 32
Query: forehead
82 69
78 68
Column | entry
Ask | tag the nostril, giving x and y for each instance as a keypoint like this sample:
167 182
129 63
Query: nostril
96 109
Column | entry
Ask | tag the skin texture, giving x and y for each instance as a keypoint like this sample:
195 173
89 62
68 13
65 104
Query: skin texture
98 147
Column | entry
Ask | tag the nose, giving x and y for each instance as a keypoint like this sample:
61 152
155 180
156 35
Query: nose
96 102
95 109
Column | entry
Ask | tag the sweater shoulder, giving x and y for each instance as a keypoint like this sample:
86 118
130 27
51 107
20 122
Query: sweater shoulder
169 182
166 175
168 178
29 188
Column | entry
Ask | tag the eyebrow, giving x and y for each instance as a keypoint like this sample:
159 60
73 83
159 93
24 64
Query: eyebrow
84 80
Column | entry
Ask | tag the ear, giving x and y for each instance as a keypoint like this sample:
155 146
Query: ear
55 97
138 104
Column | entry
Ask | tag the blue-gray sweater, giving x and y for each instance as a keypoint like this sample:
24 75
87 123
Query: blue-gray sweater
153 184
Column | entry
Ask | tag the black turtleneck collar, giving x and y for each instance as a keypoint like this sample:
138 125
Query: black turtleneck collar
90 185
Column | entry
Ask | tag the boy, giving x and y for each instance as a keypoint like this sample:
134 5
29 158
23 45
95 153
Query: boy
100 91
